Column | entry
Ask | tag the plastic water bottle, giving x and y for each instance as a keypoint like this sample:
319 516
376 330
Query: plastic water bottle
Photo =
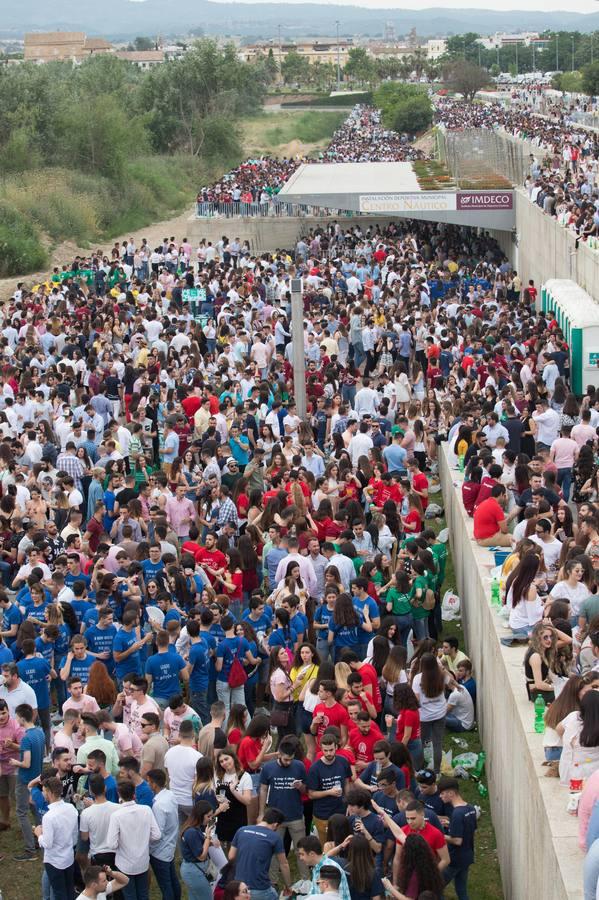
495 592
479 768
540 714
461 462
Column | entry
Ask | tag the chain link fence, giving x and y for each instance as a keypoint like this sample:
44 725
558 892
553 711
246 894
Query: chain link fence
481 159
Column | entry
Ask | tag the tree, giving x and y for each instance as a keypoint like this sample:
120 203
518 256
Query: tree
414 114
465 78
590 79
405 107
295 68
359 66
271 66
144 43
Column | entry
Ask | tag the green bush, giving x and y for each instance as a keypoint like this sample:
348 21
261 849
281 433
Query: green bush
21 249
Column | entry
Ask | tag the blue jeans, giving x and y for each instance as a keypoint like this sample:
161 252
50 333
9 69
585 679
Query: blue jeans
452 723
137 887
590 871
459 876
416 751
348 393
61 881
405 624
564 479
198 886
420 629
166 877
269 894
199 701
5 570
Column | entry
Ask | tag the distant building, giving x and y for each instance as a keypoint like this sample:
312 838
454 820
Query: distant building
436 48
501 39
324 50
389 51
143 59
74 46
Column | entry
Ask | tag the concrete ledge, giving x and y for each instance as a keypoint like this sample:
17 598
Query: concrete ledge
537 841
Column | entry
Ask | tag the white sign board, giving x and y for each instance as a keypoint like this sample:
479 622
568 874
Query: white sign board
423 202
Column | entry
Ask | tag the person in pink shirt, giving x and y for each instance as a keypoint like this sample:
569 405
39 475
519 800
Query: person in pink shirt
180 513
176 711
584 431
10 736
78 700
126 741
140 705
588 798
68 736
563 453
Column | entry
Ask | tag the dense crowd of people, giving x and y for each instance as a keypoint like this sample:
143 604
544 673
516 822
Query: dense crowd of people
563 182
220 623
360 138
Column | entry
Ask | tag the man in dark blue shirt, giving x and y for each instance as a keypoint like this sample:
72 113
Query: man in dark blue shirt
252 851
460 840
327 779
282 782
129 771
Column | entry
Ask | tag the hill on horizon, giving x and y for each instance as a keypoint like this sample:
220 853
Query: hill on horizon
126 19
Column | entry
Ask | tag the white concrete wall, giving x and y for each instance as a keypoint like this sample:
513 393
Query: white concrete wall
536 838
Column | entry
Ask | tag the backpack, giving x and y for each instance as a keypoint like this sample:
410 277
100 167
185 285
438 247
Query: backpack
237 674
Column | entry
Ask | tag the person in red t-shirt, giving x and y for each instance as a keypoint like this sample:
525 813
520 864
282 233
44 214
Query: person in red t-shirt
329 712
362 739
490 523
213 561
416 824
419 482
368 675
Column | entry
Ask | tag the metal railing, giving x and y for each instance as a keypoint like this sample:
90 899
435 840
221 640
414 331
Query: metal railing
271 209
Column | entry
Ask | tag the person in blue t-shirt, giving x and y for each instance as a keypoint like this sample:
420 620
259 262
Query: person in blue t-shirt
29 765
197 665
36 672
460 839
78 661
252 851
327 778
164 671
230 648
100 638
128 645
364 821
154 565
75 574
129 771
348 627
6 654
11 619
282 782
283 634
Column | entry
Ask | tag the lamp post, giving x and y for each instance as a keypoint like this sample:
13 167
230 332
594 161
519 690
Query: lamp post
297 343
338 58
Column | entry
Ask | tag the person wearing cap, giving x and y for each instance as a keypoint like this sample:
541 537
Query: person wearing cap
461 823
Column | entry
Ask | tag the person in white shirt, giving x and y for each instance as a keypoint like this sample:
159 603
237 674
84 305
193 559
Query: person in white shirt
366 401
132 827
547 422
460 710
57 836
360 445
101 882
95 820
180 763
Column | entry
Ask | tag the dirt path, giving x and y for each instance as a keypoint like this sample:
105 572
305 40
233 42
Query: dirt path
65 253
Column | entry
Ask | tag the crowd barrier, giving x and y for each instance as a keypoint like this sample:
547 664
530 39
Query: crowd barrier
272 209
537 840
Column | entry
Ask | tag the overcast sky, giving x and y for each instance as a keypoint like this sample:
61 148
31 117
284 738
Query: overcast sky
583 6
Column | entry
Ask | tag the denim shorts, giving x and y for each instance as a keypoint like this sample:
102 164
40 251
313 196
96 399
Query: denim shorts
553 754
255 776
